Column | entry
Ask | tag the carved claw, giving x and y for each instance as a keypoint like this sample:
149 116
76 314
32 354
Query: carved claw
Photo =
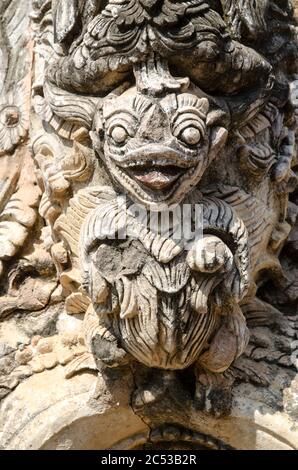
108 352
101 342
102 292
159 385
213 392
210 255
129 304
99 290
228 344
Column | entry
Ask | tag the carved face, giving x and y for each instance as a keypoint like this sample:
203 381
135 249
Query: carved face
195 66
157 149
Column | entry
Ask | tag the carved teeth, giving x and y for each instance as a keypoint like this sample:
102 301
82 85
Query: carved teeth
102 290
168 158
155 177
129 304
135 187
158 162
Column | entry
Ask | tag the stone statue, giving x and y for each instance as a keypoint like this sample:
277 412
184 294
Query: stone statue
148 223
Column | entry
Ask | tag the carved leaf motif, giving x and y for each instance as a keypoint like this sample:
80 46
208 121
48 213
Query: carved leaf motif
15 59
105 50
14 21
248 17
79 364
77 303
66 16
69 224
3 58
19 198
258 218
14 118
238 12
66 105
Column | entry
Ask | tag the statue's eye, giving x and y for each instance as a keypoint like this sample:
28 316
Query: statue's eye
119 134
190 136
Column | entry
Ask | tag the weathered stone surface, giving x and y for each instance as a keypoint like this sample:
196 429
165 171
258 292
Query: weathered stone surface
79 413
123 325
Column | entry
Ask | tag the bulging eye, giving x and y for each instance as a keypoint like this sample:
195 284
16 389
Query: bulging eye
119 134
190 136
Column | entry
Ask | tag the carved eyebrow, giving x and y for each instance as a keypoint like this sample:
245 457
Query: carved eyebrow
133 110
197 113
191 112
189 118
121 112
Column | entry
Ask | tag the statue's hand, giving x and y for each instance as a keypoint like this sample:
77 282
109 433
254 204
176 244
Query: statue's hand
210 255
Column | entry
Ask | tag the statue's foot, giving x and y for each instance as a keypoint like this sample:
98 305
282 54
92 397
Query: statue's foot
213 393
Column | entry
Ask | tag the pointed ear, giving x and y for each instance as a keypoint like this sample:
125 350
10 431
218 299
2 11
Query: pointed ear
219 137
71 107
97 141
97 133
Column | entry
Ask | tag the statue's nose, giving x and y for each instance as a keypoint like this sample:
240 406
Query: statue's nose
154 126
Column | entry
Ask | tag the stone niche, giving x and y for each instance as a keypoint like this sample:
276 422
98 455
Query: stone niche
148 224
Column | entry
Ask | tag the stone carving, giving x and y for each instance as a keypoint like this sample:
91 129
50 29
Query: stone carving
146 111
18 195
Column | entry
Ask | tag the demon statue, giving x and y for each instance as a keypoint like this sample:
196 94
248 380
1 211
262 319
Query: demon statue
163 134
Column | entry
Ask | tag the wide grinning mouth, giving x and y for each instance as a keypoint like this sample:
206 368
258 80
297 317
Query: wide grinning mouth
156 167
155 177
156 155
